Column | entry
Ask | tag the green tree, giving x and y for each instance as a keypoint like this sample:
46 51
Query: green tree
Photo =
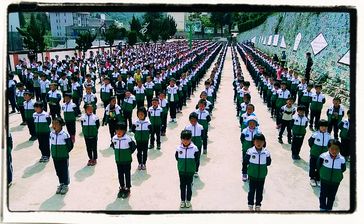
217 20
111 35
44 20
153 19
132 37
22 22
33 36
135 24
84 41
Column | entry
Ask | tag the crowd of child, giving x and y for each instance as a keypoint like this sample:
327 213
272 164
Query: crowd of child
280 89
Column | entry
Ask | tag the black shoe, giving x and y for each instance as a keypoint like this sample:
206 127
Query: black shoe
289 141
121 192
126 193
280 140
111 145
311 128
33 138
158 146
12 112
23 123
151 146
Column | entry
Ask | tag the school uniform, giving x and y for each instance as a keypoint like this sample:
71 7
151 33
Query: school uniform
246 139
155 117
90 99
331 174
142 128
28 114
64 85
128 105
282 96
300 88
69 114
306 100
345 149
42 130
186 164
106 93
53 98
90 125
204 120
285 118
173 99
76 95
113 116
334 117
318 144
164 105
317 102
256 162
294 88
139 93
44 89
19 98
149 92
61 145
273 100
299 125
120 88
123 150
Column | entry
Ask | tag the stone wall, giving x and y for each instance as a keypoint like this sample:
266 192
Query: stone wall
326 69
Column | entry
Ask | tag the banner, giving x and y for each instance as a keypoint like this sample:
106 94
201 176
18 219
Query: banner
318 44
269 40
297 41
283 43
345 59
275 40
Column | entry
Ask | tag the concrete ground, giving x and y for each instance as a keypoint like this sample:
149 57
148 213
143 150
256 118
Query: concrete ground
218 188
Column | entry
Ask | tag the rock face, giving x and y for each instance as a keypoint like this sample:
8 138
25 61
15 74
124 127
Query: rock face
335 27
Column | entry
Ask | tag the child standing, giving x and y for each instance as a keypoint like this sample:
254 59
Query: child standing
173 99
282 95
44 89
306 98
331 166
273 99
286 113
197 132
90 98
344 127
299 125
204 120
41 124
113 116
155 116
334 116
139 92
28 114
128 105
19 97
318 144
244 117
90 125
317 102
76 94
149 90
106 91
141 128
300 88
246 139
54 98
124 147
163 103
120 90
69 113
257 159
185 155
294 86
61 145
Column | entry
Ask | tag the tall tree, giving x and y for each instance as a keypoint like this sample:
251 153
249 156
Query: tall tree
217 20
84 41
44 20
132 37
153 19
111 35
22 22
135 24
33 37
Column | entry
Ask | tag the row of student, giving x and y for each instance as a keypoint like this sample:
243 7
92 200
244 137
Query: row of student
143 128
319 144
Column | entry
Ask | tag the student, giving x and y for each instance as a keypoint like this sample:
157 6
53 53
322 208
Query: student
173 99
64 84
203 96
113 116
198 134
244 104
250 108
76 94
19 98
53 98
120 88
149 91
44 89
130 83
185 155
61 145
90 98
210 92
128 105
106 91
246 139
344 127
41 127
157 84
282 95
299 125
331 166
141 128
124 147
163 103
69 113
306 98
300 88
90 125
139 92
295 82
257 159
28 114
204 120
36 86
89 82
318 144
317 102
155 116
285 120
334 116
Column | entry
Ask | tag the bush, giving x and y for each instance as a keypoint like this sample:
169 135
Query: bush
132 37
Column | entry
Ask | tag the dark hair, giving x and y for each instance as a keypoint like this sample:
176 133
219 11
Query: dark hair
251 105
186 134
337 98
120 126
202 101
143 110
301 108
323 122
59 120
318 86
38 104
193 115
155 99
87 105
334 142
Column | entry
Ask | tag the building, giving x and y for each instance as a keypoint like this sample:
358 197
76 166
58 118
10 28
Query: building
14 38
59 21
